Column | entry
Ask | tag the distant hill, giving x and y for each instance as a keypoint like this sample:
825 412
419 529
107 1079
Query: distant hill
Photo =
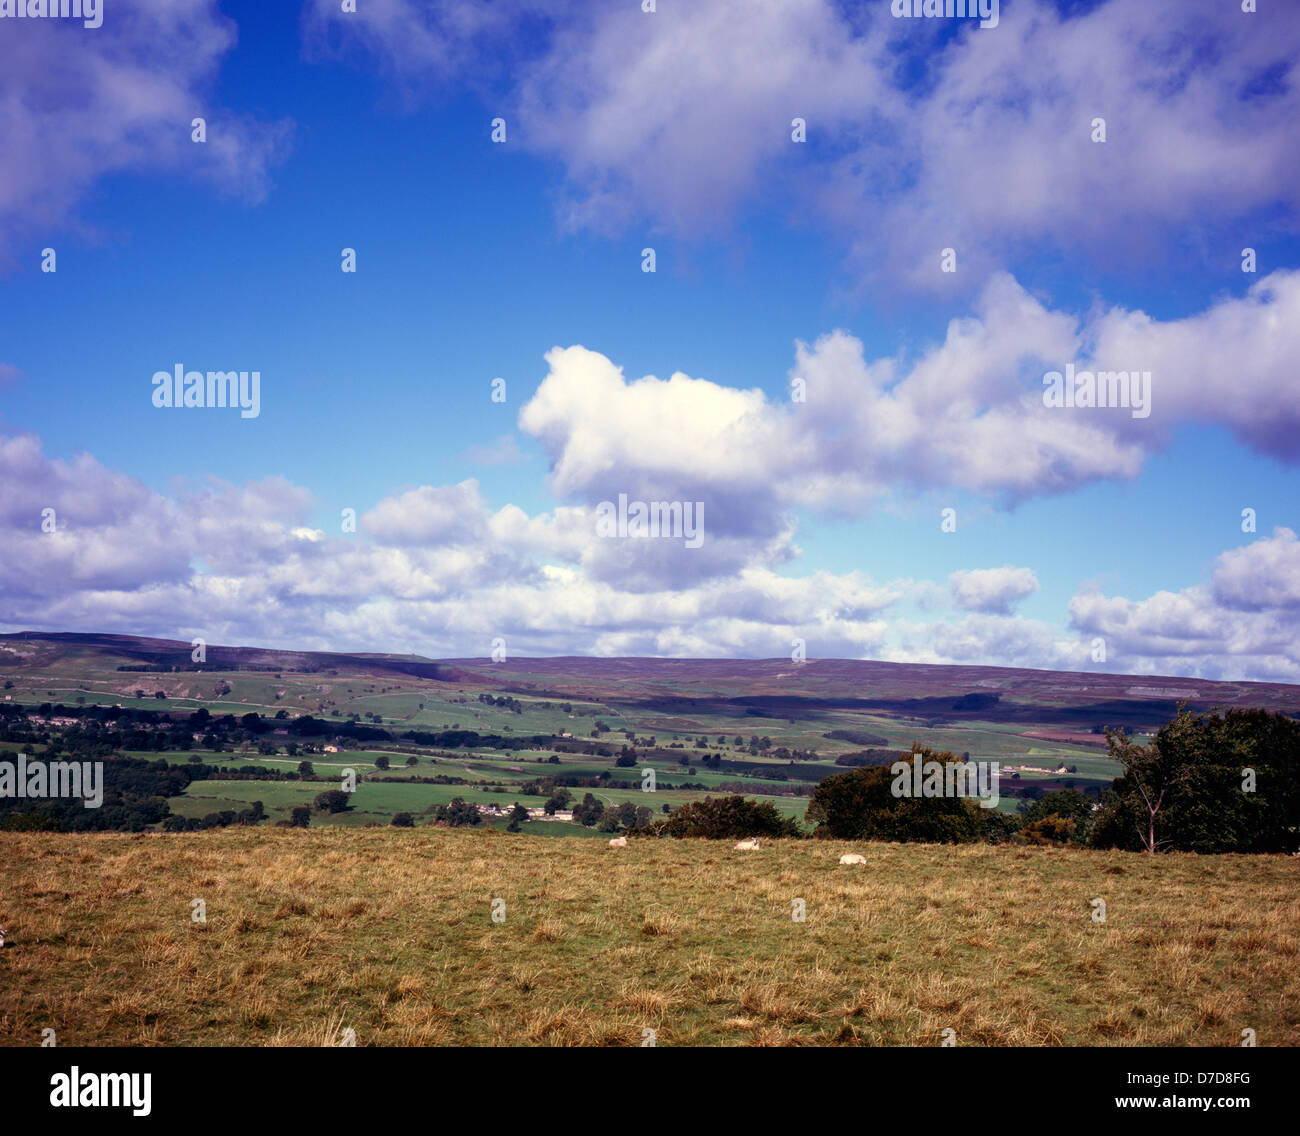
48 649
682 687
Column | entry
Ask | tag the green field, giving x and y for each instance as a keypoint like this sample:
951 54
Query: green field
770 707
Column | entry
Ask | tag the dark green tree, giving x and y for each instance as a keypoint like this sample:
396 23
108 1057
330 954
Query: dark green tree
588 811
726 818
863 805
1219 783
1069 811
457 813
332 801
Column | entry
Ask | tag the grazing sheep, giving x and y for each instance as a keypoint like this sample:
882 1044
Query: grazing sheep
618 842
853 858
747 845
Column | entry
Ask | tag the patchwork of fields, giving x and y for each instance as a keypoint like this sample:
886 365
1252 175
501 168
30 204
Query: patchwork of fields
769 730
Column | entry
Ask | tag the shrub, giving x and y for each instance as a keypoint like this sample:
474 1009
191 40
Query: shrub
589 811
726 818
1051 829
332 801
861 805
1068 809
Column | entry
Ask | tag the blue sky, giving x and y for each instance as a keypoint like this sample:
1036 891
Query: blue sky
671 130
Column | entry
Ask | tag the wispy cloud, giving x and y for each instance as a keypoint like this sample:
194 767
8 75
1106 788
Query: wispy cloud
76 105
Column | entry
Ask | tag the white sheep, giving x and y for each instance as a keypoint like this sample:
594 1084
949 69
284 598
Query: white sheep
618 842
747 845
3 934
853 858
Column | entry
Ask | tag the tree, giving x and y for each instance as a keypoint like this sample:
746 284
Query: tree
381 762
997 827
1057 818
726 818
1219 783
403 820
1050 830
412 760
862 805
306 768
300 817
332 801
457 813
1150 778
589 811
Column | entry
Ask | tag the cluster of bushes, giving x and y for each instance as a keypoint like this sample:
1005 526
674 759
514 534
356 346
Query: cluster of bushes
98 732
593 813
332 801
134 792
1222 783
861 806
101 730
575 745
456 813
725 818
226 817
1208 784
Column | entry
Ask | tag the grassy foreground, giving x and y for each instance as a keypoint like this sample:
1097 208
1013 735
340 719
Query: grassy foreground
389 933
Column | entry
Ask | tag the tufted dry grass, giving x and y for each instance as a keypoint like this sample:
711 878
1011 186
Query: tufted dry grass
389 933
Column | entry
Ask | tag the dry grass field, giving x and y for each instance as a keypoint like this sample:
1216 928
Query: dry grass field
390 933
